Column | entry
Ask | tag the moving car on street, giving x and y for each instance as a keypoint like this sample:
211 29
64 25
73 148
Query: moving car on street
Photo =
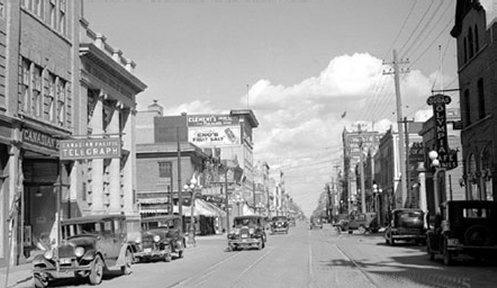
161 237
90 247
406 225
464 228
248 232
362 222
316 222
279 224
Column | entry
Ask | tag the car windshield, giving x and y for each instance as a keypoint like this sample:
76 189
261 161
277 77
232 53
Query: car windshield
245 222
279 219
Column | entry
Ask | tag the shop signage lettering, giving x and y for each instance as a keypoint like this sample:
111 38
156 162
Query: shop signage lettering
211 120
80 149
446 157
40 139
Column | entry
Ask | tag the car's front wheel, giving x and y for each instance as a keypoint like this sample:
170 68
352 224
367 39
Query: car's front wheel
126 269
167 257
96 271
39 281
361 229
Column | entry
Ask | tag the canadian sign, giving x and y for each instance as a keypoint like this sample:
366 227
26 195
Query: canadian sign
79 149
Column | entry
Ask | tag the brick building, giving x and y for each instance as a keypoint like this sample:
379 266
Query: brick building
61 81
476 50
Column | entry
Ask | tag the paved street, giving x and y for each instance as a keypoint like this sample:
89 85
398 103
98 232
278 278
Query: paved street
305 258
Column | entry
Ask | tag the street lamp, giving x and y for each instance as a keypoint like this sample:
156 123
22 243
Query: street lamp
193 188
435 162
377 192
238 200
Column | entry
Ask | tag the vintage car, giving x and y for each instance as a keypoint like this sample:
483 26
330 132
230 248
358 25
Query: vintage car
362 222
90 247
406 225
248 231
279 224
316 222
464 228
161 237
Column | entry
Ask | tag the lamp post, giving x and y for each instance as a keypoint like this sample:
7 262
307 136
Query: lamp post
377 192
433 155
193 188
238 200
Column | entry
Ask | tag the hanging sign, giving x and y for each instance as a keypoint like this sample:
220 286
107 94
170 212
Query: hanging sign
80 149
447 157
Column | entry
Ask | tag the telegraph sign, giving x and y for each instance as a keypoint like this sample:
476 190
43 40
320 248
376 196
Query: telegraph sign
79 149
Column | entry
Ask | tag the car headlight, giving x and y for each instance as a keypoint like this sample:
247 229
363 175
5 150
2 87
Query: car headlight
138 240
156 238
236 231
48 254
79 251
251 230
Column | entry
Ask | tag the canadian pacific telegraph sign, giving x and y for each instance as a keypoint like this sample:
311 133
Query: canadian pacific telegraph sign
90 148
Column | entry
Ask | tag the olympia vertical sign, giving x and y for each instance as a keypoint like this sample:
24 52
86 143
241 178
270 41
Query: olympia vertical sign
448 158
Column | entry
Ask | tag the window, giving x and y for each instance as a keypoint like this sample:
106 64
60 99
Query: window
481 99
53 14
476 213
476 39
36 91
61 98
50 98
24 85
470 43
467 115
165 169
62 16
465 43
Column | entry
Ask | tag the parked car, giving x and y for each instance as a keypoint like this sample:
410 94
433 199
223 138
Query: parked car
162 238
91 246
279 224
464 228
406 225
248 231
362 222
315 222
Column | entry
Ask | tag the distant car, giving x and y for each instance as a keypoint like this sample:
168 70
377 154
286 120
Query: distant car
91 246
279 224
362 222
248 232
406 225
315 222
161 237
464 228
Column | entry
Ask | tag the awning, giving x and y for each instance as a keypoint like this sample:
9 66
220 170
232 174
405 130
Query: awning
201 209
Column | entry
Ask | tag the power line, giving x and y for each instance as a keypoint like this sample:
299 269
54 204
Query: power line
417 26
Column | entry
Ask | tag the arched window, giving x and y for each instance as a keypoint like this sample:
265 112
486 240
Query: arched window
477 46
465 43
486 174
472 179
470 43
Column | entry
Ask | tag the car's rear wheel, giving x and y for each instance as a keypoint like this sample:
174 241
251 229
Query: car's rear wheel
96 271
39 281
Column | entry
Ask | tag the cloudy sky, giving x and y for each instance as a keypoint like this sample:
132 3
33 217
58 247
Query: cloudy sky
308 68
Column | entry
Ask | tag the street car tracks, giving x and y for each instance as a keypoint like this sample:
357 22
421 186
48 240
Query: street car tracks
359 268
200 278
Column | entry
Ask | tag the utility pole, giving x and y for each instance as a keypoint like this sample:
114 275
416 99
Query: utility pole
180 198
408 176
402 152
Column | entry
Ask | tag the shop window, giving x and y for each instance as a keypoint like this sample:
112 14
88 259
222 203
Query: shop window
472 178
486 174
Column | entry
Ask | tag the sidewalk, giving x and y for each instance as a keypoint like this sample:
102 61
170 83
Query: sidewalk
19 276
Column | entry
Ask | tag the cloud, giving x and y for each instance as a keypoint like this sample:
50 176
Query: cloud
301 126
195 107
